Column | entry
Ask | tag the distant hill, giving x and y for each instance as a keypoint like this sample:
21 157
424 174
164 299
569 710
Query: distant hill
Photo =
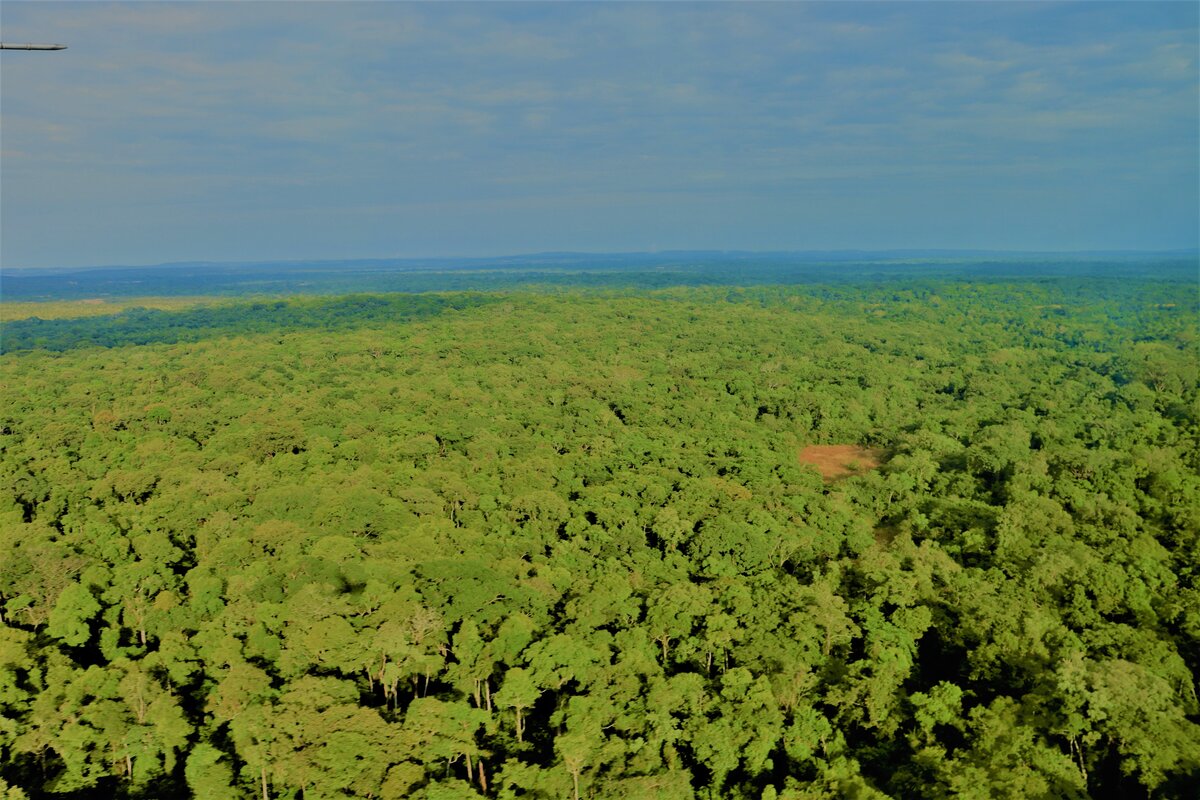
634 270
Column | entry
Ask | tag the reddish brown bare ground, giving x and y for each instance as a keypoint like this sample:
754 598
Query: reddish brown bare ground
835 461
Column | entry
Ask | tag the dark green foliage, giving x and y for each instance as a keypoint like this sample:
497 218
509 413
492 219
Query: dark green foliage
560 545
148 326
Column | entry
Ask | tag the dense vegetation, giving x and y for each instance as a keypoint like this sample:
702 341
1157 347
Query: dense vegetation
137 325
560 545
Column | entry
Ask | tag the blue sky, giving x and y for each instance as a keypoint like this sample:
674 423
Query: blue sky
241 131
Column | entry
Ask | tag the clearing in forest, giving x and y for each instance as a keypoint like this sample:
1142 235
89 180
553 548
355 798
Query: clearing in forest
835 461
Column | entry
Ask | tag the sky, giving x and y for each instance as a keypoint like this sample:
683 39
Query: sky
321 130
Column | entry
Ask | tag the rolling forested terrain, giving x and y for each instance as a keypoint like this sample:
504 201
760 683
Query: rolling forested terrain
561 544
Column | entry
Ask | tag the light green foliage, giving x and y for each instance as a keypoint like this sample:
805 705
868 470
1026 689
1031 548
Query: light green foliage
208 773
14 695
519 693
1133 708
548 545
72 614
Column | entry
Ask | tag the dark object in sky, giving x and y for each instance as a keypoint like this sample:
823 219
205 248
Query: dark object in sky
7 46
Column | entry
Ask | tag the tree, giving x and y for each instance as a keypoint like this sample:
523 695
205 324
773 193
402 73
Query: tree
70 620
519 693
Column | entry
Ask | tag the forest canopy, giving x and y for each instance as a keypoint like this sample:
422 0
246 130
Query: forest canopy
562 543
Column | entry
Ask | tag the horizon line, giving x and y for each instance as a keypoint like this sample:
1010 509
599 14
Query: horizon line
897 252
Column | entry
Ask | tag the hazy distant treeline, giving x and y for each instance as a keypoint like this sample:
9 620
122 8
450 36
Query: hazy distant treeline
636 270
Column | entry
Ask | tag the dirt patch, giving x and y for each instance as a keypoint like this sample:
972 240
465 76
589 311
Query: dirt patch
836 461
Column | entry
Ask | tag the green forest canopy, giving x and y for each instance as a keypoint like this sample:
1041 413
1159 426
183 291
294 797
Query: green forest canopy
560 544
